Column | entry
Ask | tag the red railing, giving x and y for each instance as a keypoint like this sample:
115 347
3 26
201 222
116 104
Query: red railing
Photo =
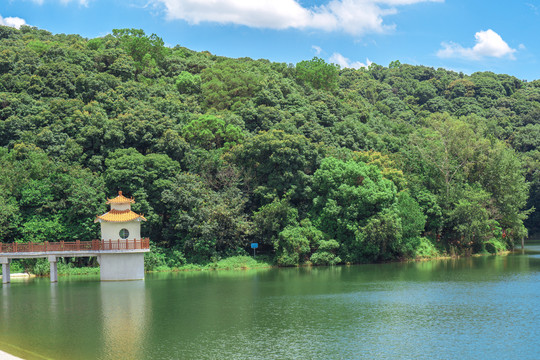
94 245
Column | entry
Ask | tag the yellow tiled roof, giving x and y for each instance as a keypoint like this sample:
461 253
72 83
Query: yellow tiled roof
120 199
120 216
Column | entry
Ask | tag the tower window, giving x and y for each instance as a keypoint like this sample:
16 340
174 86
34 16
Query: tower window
124 233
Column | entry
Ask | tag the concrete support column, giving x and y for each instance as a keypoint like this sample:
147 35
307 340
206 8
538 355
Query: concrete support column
54 268
122 266
6 276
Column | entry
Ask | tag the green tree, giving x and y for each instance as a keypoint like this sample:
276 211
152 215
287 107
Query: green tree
318 73
413 222
10 217
186 83
295 244
229 82
274 163
211 132
347 194
203 223
380 239
146 51
450 147
471 220
145 178
270 220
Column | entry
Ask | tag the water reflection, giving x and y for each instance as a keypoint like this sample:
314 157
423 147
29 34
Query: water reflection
455 308
5 301
125 313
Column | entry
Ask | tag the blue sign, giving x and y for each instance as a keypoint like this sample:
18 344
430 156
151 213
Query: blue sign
254 245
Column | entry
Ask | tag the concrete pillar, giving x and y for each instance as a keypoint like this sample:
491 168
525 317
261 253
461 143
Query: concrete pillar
6 276
54 268
124 266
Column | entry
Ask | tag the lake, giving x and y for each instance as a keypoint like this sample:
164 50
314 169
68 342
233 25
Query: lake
482 307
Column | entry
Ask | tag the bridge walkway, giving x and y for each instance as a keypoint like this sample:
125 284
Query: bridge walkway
54 250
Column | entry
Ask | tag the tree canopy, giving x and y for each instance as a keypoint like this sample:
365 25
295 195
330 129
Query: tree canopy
318 164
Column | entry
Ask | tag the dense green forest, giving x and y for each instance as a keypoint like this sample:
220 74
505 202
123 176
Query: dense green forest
317 164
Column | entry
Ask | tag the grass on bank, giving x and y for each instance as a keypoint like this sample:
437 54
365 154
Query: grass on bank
157 261
426 250
230 263
42 267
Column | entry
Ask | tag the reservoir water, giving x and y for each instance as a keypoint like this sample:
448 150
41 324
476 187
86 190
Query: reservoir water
474 308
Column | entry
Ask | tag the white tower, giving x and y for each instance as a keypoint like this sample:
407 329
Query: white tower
120 222
122 255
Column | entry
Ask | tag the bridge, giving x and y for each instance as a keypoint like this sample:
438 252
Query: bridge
119 259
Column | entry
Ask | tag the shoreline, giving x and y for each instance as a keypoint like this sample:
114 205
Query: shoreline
7 352
244 266
19 276
197 268
6 356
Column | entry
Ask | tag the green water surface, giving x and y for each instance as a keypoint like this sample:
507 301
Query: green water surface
471 308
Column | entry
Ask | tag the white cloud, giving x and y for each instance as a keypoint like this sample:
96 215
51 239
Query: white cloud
488 44
317 49
344 62
15 22
354 17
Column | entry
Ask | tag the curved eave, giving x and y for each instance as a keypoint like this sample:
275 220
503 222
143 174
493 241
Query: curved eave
117 200
118 219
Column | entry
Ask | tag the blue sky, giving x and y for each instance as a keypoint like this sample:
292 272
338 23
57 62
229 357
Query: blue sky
461 35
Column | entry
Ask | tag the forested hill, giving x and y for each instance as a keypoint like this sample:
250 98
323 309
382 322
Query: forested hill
313 162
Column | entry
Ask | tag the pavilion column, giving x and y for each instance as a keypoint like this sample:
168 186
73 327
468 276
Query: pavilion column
54 268
5 270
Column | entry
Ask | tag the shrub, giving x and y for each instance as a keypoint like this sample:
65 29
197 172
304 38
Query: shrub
425 249
325 254
494 246
70 269
294 243
16 267
325 258
42 267
240 262
154 259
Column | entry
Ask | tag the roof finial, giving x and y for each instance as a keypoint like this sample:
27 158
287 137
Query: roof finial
120 193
